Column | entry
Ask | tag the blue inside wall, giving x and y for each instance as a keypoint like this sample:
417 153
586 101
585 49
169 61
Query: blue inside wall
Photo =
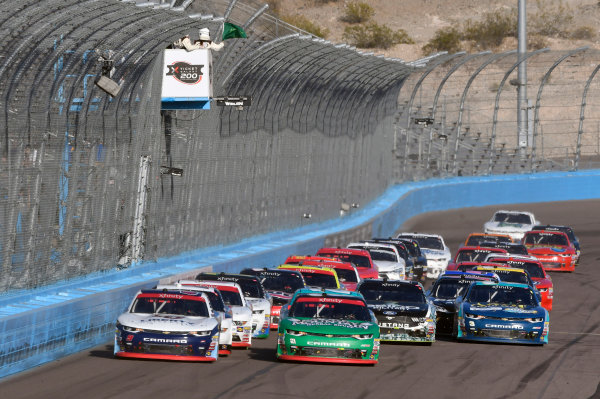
38 326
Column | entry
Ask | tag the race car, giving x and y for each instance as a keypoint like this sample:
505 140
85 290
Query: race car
565 229
241 310
297 259
474 239
536 271
512 223
168 325
358 257
446 289
511 275
473 254
402 310
402 248
280 285
346 272
419 260
435 250
501 312
254 294
328 326
552 248
386 257
221 311
512 248
316 276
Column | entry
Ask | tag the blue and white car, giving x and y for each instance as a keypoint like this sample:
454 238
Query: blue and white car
512 223
501 312
168 325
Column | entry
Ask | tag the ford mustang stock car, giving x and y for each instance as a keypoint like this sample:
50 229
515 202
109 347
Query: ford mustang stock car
221 311
280 284
254 294
446 289
552 248
402 310
241 310
512 223
536 271
168 325
386 257
358 257
435 250
501 312
330 326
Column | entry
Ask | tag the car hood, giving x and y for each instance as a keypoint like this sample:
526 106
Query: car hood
381 308
172 323
241 313
435 253
503 226
384 265
328 326
259 303
548 250
499 310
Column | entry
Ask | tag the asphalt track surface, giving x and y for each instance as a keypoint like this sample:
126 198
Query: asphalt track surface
568 367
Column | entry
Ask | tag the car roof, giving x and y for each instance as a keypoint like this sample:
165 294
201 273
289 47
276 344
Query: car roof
181 285
513 212
419 235
217 282
236 276
330 263
309 269
327 291
504 268
520 285
344 251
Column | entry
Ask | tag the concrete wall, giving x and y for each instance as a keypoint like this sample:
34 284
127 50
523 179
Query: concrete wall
37 326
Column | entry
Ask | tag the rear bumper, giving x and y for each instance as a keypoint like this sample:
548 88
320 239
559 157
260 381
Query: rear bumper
314 359
133 355
241 344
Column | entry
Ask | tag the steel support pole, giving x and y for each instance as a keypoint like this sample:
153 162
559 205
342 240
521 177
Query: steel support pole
522 80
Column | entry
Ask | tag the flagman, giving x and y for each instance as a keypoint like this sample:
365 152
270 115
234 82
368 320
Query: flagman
205 42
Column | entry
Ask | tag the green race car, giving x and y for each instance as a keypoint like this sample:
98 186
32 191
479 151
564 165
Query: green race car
328 326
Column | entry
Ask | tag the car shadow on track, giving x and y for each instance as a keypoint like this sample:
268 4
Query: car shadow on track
263 354
106 353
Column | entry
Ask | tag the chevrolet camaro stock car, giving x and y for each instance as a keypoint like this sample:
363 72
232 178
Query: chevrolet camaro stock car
553 249
168 325
330 326
358 257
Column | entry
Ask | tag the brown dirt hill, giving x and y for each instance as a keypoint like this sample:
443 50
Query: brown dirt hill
422 18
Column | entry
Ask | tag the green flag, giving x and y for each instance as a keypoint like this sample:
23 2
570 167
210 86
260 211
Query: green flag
231 31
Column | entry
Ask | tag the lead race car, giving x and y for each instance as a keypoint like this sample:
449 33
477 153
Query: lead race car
402 310
513 223
168 325
328 326
501 312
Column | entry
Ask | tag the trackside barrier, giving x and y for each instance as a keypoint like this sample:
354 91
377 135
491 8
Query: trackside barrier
38 326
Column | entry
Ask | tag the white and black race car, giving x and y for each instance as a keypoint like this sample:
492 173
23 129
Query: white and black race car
168 324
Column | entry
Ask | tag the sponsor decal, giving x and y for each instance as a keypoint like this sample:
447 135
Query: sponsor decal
166 340
393 306
129 337
390 313
485 307
173 296
185 73
393 325
330 323
505 326
328 344
519 310
166 320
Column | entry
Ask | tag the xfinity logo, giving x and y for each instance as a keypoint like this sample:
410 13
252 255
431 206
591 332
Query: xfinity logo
512 326
166 340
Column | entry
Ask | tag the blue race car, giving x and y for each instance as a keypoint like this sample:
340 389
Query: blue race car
501 312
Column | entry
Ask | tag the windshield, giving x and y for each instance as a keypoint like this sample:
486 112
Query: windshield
347 275
356 260
383 255
449 288
284 282
501 294
216 302
534 269
428 242
516 218
320 280
231 298
545 239
471 255
412 249
330 308
476 240
154 304
392 292
251 288
509 276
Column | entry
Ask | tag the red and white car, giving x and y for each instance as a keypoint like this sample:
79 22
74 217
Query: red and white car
473 254
552 248
347 273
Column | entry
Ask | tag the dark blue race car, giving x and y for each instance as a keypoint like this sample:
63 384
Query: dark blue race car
501 312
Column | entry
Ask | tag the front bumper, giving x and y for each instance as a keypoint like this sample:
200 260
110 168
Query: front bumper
391 275
556 263
242 335
405 332
435 268
322 349
495 330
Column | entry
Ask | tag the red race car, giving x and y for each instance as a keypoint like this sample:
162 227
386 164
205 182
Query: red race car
347 273
552 248
360 258
473 254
